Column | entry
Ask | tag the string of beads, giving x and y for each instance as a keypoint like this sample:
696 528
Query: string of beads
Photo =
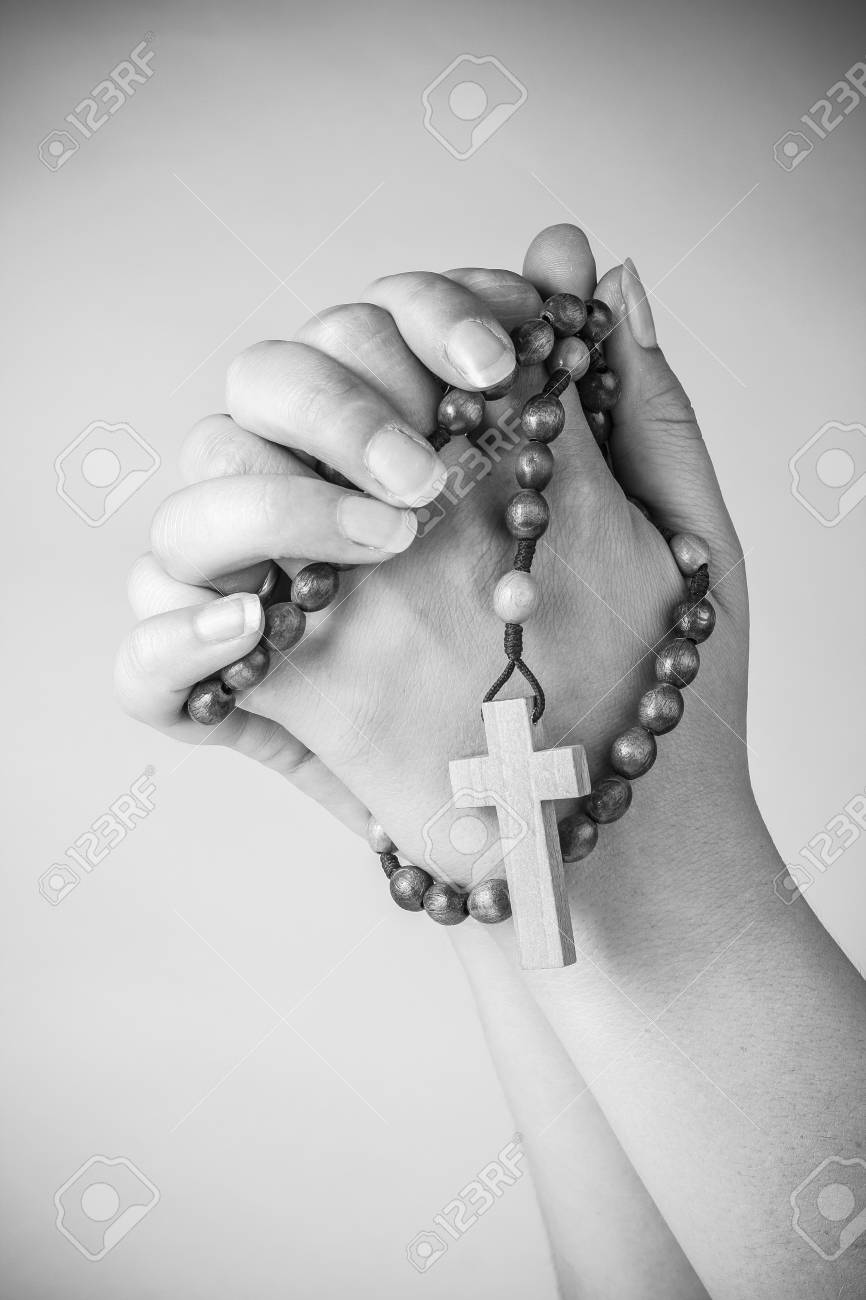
568 337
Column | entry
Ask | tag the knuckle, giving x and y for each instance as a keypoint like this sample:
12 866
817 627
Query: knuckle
359 325
213 449
244 369
170 526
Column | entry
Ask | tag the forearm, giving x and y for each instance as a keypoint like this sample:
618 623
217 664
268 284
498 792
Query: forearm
607 1236
722 1034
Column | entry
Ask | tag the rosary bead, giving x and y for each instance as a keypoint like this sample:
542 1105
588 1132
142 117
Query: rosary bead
461 412
247 672
599 322
284 626
695 621
532 342
489 902
609 800
600 424
599 390
633 752
534 467
543 418
445 905
378 838
516 596
408 886
660 708
527 514
690 552
569 354
678 663
504 386
315 587
699 583
566 313
209 702
578 836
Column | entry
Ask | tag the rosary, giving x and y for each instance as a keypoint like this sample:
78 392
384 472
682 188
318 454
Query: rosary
517 772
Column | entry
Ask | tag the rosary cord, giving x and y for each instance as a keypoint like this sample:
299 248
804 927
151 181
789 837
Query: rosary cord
514 641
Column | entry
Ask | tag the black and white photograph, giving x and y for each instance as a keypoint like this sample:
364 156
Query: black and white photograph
435 781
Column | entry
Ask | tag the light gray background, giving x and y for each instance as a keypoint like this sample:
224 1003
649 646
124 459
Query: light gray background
312 1157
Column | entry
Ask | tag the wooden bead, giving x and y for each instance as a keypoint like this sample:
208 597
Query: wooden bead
633 752
695 621
596 358
599 322
534 466
408 886
678 663
543 418
378 838
516 597
247 672
284 626
461 412
600 425
690 551
566 313
504 386
489 902
315 587
660 708
599 390
569 354
209 702
609 800
445 905
578 836
533 341
527 514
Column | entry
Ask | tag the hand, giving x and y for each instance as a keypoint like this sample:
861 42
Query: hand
387 686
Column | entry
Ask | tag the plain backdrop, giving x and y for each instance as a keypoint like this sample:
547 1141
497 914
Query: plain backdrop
142 1012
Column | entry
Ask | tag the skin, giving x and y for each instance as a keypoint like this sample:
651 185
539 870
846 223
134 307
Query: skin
707 1051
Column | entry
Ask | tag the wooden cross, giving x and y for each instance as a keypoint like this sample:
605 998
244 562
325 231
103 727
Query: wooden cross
519 777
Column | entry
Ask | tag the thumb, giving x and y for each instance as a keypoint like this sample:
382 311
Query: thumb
658 453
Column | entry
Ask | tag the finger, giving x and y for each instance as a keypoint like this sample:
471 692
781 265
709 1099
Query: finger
365 339
165 655
452 332
228 524
510 297
217 447
658 452
295 395
151 591
560 260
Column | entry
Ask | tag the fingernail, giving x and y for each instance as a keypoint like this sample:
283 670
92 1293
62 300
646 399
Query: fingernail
373 523
229 618
483 358
638 310
405 466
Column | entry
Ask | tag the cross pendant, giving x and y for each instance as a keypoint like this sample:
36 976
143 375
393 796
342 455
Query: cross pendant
520 778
